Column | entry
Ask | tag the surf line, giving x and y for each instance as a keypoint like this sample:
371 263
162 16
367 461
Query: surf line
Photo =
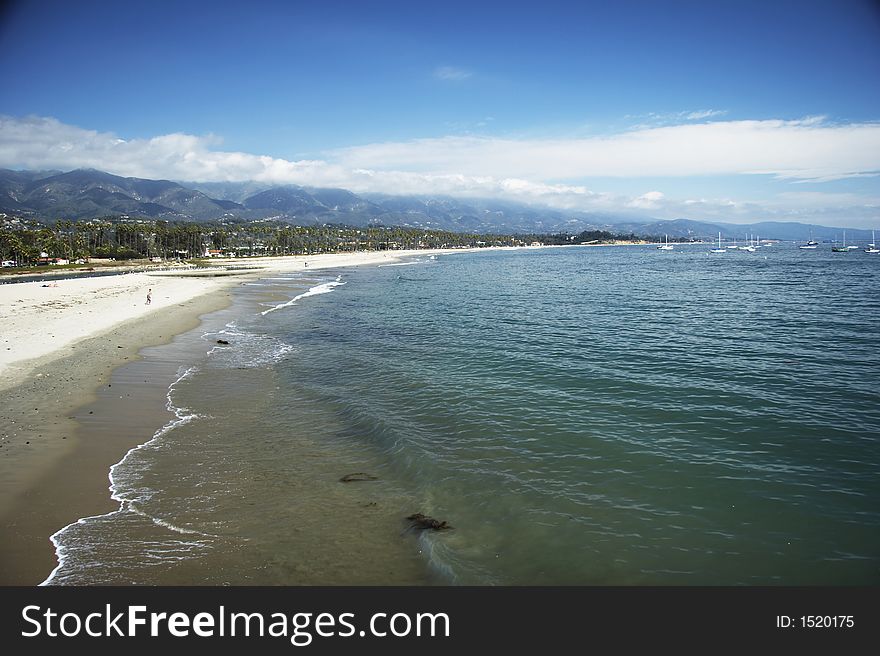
324 288
127 505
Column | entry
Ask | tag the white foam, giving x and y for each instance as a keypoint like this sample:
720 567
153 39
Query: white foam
324 288
164 524
401 264
127 505
250 349
230 330
266 351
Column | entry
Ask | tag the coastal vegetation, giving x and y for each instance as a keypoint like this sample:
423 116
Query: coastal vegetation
123 238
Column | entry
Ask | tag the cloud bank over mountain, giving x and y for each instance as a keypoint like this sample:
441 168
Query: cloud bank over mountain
552 172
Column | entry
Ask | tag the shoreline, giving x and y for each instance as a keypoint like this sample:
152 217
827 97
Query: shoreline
54 468
60 426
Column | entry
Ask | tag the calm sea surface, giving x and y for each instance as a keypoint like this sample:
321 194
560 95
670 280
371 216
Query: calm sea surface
578 415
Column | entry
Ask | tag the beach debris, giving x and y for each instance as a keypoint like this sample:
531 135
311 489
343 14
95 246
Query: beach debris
422 522
223 341
358 476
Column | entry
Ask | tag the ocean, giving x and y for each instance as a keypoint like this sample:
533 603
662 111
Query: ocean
578 415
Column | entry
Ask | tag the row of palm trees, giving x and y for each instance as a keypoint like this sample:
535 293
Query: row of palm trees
133 239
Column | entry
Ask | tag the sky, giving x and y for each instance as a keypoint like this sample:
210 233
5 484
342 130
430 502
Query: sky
726 111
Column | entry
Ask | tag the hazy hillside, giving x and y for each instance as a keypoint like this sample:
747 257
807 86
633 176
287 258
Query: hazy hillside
87 193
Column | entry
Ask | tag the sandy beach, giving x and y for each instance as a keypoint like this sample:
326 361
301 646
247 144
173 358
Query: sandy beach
61 342
42 321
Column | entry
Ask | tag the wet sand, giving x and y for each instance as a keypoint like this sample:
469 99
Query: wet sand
61 433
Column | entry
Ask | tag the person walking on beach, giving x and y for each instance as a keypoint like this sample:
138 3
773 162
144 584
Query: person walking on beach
149 296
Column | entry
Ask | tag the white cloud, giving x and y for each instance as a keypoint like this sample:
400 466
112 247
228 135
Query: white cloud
807 149
648 201
451 73
39 143
658 119
703 113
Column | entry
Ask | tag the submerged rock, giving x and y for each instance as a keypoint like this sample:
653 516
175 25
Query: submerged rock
358 476
422 522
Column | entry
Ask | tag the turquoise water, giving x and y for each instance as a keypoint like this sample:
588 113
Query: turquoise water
579 415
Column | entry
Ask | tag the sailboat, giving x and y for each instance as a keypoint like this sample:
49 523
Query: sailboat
666 246
841 249
810 245
872 247
732 247
719 249
750 248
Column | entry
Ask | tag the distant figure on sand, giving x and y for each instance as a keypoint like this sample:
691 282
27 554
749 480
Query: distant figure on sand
149 296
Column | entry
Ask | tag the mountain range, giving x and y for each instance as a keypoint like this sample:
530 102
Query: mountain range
85 194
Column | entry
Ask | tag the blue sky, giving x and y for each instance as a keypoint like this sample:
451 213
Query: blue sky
742 111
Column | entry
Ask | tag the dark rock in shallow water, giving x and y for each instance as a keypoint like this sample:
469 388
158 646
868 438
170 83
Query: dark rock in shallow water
423 522
359 476
222 341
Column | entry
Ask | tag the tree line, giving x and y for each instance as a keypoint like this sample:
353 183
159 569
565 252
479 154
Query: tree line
126 239
122 239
